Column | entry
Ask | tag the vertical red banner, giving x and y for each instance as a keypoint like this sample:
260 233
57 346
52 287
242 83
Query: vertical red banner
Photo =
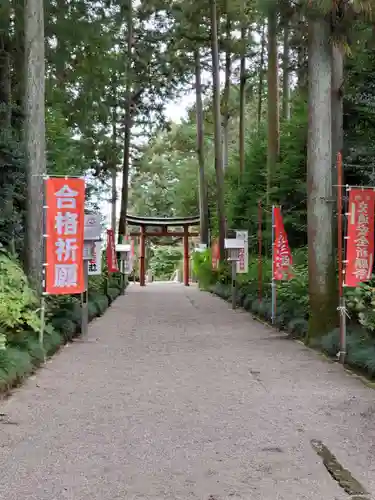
215 254
282 256
360 241
64 226
111 252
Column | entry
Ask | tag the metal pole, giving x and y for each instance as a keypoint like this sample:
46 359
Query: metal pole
44 270
341 308
122 269
234 275
42 325
186 255
142 251
84 301
273 284
260 258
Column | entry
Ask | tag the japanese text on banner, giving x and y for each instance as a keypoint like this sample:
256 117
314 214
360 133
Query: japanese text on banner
95 265
215 254
65 199
243 261
360 241
282 256
111 252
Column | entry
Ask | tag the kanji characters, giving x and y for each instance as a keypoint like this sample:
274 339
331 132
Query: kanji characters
360 236
66 223
282 258
65 275
66 198
66 249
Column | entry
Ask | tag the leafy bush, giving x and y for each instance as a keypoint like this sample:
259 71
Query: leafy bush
112 294
164 261
361 305
15 365
18 303
20 350
292 307
202 269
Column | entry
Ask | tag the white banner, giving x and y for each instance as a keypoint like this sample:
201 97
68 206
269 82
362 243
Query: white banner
95 265
129 264
243 262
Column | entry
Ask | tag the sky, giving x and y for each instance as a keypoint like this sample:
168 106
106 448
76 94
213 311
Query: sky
175 111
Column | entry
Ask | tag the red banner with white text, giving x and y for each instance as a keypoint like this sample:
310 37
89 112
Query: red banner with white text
111 252
360 240
215 254
282 256
64 224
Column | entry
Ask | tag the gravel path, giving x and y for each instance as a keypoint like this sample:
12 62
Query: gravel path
175 396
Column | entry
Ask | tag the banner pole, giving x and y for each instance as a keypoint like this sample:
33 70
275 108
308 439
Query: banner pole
234 276
84 301
44 264
342 306
260 244
273 284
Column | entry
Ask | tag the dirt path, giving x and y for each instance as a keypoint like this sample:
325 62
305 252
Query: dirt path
178 397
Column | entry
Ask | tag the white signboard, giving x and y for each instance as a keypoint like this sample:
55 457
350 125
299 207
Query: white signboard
95 265
128 265
93 227
243 262
88 250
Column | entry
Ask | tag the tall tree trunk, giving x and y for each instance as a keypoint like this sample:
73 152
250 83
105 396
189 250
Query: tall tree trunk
128 125
114 166
261 74
322 276
5 73
18 56
272 101
226 92
241 131
217 133
337 105
35 138
203 206
286 84
301 56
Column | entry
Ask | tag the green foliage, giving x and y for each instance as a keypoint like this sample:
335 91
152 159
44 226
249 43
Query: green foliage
20 351
361 304
18 303
202 269
164 261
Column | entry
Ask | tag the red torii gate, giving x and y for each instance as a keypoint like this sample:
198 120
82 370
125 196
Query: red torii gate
163 223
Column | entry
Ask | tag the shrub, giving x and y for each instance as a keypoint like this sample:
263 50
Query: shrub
66 327
202 269
18 303
101 303
15 365
20 350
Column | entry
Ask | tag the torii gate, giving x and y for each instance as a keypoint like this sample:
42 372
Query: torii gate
163 223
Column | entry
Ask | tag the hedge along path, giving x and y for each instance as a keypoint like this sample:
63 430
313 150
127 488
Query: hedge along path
176 396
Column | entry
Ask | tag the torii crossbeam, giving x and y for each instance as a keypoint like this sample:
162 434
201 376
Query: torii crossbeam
163 223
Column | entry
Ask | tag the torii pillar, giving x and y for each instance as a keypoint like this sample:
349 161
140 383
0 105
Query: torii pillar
186 255
142 251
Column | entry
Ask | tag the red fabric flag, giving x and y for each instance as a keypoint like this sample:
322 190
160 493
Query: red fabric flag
65 204
360 241
282 256
215 253
111 252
